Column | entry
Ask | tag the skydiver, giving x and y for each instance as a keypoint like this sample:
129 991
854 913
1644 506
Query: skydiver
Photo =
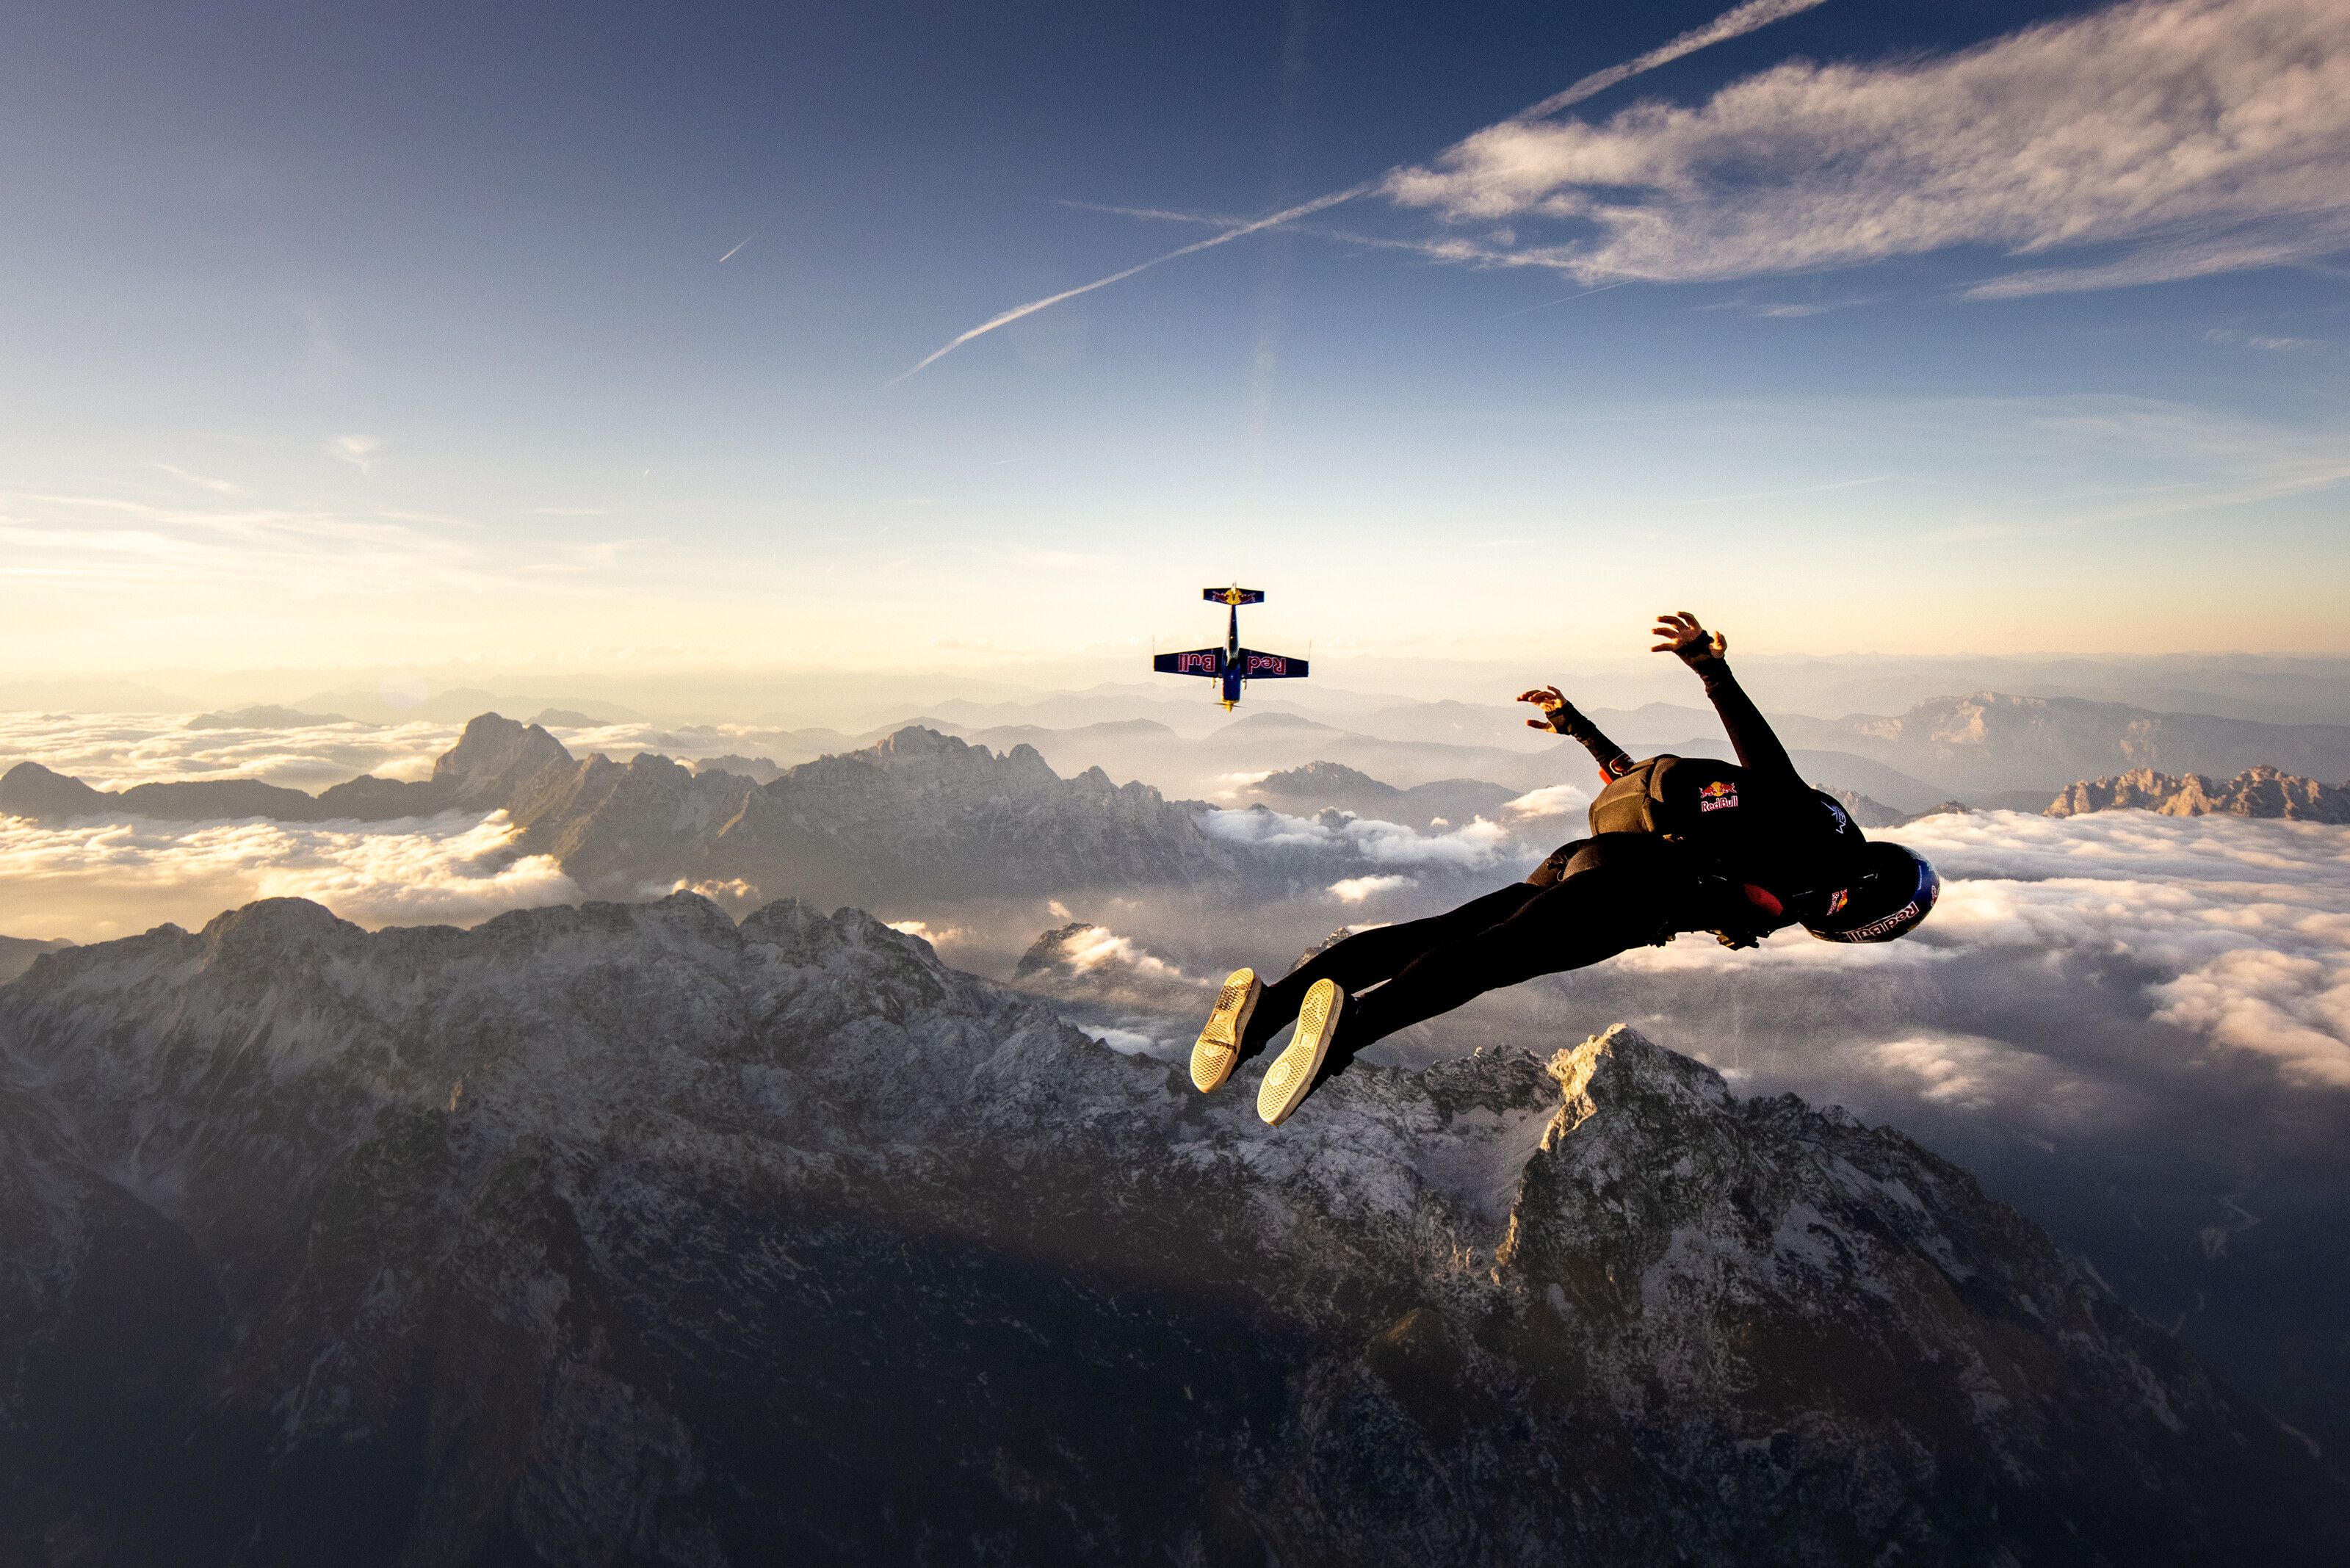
1676 844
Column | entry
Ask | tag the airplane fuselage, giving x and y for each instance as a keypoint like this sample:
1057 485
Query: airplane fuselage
1232 665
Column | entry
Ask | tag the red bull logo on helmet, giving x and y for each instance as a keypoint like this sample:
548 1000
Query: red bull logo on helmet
1719 795
1892 925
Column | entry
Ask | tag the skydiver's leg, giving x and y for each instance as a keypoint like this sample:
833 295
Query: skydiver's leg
1369 956
1620 891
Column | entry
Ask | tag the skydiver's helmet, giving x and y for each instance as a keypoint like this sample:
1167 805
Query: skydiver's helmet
1896 889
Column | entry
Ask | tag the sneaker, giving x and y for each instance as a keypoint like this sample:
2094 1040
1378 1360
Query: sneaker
1290 1077
1218 1050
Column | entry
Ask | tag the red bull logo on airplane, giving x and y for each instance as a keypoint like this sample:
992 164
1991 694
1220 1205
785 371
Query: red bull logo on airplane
1231 663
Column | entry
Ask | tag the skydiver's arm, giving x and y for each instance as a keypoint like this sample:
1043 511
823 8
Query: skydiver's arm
1561 715
1757 748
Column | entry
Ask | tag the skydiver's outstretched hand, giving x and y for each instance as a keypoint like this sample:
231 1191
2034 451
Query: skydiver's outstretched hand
1682 636
1552 702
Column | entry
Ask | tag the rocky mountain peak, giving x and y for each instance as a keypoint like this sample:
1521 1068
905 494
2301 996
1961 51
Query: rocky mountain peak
919 743
496 760
926 814
269 926
2259 791
28 789
1316 778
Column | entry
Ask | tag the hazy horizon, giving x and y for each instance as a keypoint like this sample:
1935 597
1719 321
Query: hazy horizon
820 694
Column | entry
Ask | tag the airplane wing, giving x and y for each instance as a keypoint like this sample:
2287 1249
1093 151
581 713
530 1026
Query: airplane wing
1258 666
1207 661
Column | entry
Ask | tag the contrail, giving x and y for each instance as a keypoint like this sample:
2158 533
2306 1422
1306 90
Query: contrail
1546 304
1734 23
729 254
1161 215
1287 214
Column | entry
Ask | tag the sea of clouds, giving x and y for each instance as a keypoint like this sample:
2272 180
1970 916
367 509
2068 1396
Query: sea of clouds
115 751
91 880
2134 1028
2229 933
2239 929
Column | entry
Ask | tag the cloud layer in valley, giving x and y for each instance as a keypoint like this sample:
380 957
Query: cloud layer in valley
115 751
88 881
2240 929
1530 823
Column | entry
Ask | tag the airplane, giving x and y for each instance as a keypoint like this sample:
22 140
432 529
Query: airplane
1231 663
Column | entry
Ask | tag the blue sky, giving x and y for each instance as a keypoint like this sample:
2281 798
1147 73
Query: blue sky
399 335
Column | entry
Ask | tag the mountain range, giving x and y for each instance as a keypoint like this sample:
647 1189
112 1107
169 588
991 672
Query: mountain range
1990 748
17 953
922 816
1995 742
917 814
625 1234
1320 786
2256 792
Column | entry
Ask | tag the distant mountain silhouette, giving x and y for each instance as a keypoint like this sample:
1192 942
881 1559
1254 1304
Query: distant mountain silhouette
1993 741
17 953
30 790
2260 791
1318 785
263 716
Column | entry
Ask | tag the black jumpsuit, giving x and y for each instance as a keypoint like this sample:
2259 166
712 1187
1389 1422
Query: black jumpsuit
1742 848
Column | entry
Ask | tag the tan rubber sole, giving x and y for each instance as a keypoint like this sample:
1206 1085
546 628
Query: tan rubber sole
1218 1050
1290 1077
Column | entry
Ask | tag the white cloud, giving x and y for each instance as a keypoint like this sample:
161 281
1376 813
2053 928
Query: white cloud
1958 1070
2273 345
1736 22
924 929
1355 889
1480 845
92 881
2245 924
283 557
359 451
201 481
115 751
2202 135
1550 800
1098 948
1097 969
740 898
